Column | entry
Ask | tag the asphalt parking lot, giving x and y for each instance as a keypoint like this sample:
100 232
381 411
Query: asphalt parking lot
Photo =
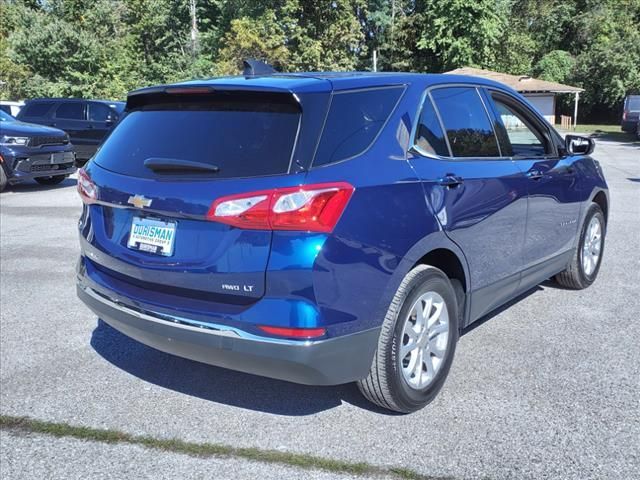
547 388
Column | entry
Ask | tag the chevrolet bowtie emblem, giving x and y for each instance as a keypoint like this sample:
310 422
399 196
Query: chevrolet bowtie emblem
139 201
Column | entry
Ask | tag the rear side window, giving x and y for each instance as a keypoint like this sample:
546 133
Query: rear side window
241 137
354 120
429 136
70 111
36 109
99 112
465 119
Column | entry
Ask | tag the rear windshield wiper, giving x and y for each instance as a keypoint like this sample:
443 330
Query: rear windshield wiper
178 165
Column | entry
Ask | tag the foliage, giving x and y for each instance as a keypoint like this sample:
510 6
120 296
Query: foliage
555 66
104 48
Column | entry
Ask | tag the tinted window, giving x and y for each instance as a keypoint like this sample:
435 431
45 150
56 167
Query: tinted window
468 127
633 103
99 112
241 138
36 109
70 111
353 122
429 135
524 139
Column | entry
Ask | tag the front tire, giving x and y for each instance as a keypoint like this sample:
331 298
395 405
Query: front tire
55 180
417 343
586 260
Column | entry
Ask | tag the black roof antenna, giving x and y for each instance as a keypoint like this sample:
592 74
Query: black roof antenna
254 67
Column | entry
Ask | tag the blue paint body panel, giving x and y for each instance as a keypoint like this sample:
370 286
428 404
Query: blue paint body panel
498 223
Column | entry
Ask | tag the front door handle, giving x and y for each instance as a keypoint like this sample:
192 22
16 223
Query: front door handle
450 180
535 174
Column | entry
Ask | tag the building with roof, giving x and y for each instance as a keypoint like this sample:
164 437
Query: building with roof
540 93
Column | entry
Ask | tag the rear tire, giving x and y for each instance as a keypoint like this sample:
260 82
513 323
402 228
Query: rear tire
583 269
55 180
410 365
3 179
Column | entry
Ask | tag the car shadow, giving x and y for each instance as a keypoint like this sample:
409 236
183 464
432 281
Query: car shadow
481 321
220 385
33 186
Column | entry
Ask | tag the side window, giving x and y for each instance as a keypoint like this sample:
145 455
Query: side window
466 122
99 112
353 122
37 109
70 111
525 140
429 135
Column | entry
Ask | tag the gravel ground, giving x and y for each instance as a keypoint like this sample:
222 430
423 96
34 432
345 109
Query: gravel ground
548 388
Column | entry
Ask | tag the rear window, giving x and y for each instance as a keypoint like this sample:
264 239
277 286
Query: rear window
633 103
468 127
354 121
36 109
242 138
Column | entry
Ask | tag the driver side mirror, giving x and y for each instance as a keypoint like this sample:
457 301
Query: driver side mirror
577 145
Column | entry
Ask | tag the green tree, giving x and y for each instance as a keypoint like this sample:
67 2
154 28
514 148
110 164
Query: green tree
555 66
261 38
457 33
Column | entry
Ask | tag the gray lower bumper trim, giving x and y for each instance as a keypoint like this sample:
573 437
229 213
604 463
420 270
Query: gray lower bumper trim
325 362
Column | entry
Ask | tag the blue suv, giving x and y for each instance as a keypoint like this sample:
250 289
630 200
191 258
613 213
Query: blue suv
325 228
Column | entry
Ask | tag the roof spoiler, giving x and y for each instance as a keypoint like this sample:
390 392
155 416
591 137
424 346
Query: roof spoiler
254 67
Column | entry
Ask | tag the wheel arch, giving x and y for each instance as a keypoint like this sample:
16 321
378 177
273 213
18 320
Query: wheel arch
436 250
602 200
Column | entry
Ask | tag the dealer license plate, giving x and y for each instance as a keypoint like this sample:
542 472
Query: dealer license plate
153 236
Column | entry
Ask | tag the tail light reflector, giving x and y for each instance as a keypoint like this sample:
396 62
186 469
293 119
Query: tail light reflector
313 208
86 188
293 332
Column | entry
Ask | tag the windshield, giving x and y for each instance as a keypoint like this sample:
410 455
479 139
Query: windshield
235 138
5 117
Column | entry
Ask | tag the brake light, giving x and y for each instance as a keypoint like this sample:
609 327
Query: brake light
86 188
313 208
188 90
624 115
293 332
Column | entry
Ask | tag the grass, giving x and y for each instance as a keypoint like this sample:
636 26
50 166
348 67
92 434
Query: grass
207 450
605 132
598 129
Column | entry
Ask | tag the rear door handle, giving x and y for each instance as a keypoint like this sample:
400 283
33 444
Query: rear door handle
450 180
535 174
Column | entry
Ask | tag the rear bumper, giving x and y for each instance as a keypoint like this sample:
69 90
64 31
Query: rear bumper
629 125
331 361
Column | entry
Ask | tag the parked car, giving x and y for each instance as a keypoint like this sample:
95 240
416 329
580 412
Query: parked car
630 113
11 108
33 152
353 242
87 122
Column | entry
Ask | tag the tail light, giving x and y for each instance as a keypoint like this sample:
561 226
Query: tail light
86 188
293 332
313 208
624 116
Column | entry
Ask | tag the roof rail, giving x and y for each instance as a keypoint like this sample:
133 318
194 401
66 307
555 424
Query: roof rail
254 67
